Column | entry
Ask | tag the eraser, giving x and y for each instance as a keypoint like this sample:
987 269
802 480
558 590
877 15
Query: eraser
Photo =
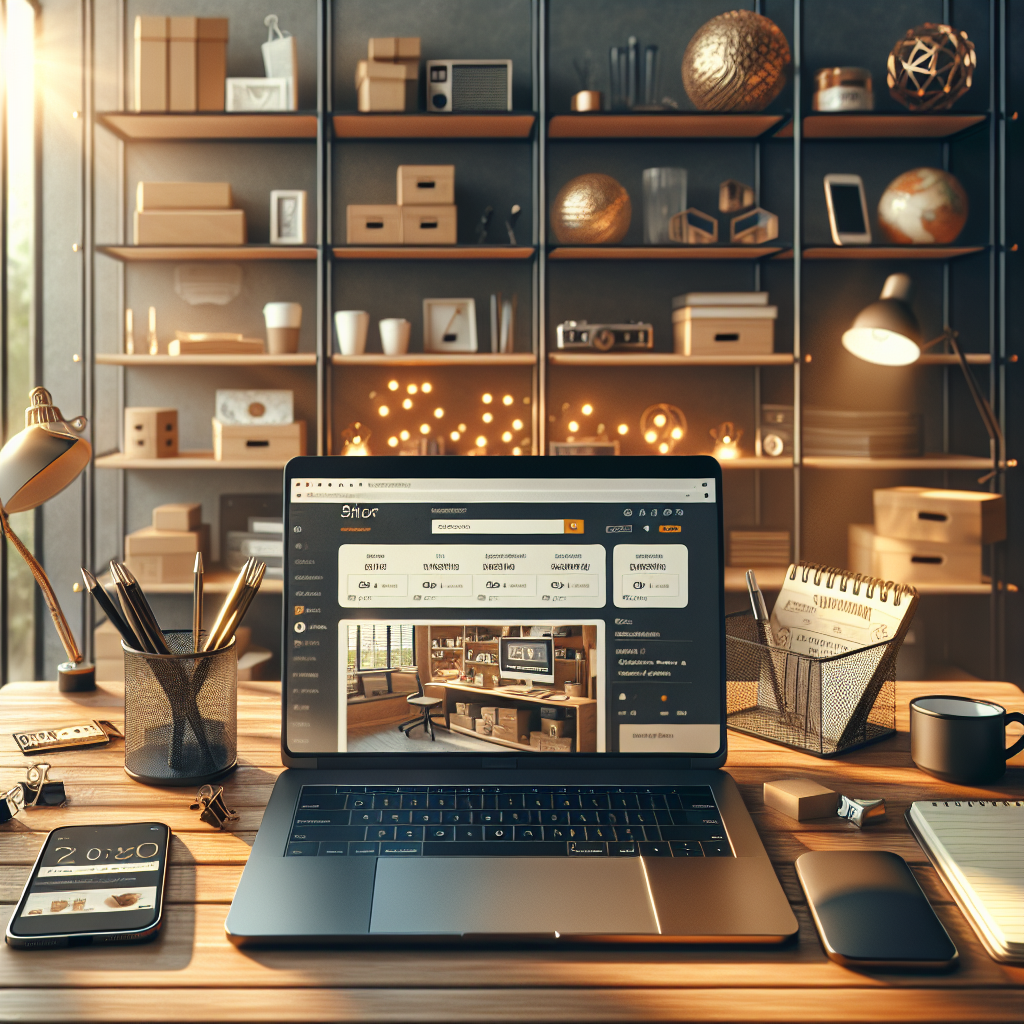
800 798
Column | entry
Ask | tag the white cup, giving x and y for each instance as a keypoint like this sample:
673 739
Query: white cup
351 326
283 322
394 335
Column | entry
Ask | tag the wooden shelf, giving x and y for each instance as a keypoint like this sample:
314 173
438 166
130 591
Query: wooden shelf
480 359
885 252
948 359
560 358
216 580
882 126
661 126
769 577
186 460
214 125
290 359
166 253
434 252
433 126
755 462
923 462
664 252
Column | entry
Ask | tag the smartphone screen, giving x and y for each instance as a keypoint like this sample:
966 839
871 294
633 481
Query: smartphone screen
95 878
846 207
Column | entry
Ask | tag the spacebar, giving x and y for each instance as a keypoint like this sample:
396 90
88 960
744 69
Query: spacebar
494 849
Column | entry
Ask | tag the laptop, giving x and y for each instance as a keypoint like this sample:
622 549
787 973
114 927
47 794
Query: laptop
503 711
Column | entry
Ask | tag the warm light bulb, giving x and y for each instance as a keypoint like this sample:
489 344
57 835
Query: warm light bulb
404 435
462 428
424 428
438 413
383 410
507 436
517 424
487 398
481 441
663 448
357 440
411 388
487 417
573 426
517 451
677 433
507 400
623 429
454 435
392 442
651 436
660 420
587 409
426 387
392 385
407 403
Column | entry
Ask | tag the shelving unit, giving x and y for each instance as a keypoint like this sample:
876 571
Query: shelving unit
433 252
662 126
664 252
183 253
482 360
186 460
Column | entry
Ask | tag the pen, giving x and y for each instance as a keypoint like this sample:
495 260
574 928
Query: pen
103 600
197 601
131 595
233 613
227 608
764 635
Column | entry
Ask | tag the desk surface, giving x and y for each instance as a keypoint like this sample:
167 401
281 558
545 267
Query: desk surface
506 692
191 972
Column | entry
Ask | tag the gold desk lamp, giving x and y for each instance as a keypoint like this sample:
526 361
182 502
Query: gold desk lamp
35 465
887 333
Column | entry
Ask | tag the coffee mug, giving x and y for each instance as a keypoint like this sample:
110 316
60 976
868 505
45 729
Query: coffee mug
351 326
394 336
961 740
283 320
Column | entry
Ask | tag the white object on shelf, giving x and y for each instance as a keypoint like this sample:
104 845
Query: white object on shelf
351 326
911 561
257 94
280 58
287 216
449 325
724 330
255 406
940 516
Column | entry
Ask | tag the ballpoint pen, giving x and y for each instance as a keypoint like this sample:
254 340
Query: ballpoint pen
237 604
226 609
764 635
103 600
197 602
132 593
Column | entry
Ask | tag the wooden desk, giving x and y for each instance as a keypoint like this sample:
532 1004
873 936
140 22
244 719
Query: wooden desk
191 972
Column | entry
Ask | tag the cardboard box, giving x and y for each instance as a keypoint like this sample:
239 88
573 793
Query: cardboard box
258 442
373 225
724 330
473 710
563 745
150 62
501 733
182 61
463 721
800 798
489 715
429 225
426 184
394 48
912 561
940 516
150 432
575 689
535 737
183 195
382 95
149 541
211 62
161 568
482 727
517 720
190 227
180 516
558 727
380 72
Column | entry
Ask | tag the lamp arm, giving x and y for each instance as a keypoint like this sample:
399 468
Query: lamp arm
63 629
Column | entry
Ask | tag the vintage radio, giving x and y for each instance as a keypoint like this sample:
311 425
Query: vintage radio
469 85
629 337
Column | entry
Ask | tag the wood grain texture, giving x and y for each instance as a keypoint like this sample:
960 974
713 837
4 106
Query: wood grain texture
192 973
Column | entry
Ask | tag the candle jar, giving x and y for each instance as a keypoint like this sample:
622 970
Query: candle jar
843 89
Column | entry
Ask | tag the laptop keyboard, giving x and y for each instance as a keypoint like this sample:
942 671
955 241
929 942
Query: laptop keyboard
507 821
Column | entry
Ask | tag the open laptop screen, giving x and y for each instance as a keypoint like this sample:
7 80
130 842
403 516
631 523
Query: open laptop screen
539 614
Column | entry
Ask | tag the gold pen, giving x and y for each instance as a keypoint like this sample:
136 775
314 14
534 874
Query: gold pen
228 607
197 601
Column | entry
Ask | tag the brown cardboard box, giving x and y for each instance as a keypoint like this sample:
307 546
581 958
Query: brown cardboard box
535 738
498 732
180 516
394 48
190 227
483 727
429 225
150 62
558 726
373 225
382 95
161 568
149 541
460 709
489 715
563 744
258 442
517 719
800 798
462 721
426 184
183 195
150 432
381 72
211 62
182 57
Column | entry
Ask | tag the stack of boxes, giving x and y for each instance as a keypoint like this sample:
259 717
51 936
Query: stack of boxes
180 63
924 535
257 425
187 213
425 213
387 82
166 551
557 730
546 728
723 324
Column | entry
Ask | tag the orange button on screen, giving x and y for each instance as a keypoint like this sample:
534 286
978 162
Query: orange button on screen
573 525
670 529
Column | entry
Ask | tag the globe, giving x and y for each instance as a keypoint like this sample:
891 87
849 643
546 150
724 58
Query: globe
924 206
593 209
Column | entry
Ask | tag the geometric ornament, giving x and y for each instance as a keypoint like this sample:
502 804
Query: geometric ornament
931 67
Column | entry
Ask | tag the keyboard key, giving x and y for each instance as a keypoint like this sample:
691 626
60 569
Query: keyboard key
396 817
554 833
441 801
365 817
518 818
333 850
409 833
414 801
401 849
339 834
588 849
380 833
595 801
600 833
305 820
363 849
439 834
566 801
487 817
716 849
537 801
528 833
303 849
686 850
629 833
457 817
469 803
387 800
623 801
510 801
623 850
655 850
583 817
498 833
642 818
360 802
426 817
494 850
554 817
322 803
468 834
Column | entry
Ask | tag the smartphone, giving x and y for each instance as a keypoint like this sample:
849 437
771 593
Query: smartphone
94 884
871 912
847 209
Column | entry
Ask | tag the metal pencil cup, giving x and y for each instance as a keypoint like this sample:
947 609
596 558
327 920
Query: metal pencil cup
824 706
180 713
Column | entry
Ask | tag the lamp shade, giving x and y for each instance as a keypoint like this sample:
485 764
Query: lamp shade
887 332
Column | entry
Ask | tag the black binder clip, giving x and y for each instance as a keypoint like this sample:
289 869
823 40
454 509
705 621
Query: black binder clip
214 811
36 791
11 803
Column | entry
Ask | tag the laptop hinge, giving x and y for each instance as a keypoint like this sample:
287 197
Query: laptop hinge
501 762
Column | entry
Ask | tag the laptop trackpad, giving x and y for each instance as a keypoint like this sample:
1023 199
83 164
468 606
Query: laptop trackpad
511 895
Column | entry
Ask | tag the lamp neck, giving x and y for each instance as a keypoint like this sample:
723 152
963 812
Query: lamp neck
42 410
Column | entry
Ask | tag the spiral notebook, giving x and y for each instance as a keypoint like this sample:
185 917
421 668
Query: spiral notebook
976 848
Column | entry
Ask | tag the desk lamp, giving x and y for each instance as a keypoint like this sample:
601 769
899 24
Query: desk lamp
887 333
34 466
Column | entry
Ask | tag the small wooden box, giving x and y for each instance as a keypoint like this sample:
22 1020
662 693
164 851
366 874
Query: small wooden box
211 62
150 432
800 798
561 744
426 184
180 516
258 442
150 62
182 58
150 541
940 516
394 48
190 227
373 225
720 330
183 195
911 561
161 568
429 225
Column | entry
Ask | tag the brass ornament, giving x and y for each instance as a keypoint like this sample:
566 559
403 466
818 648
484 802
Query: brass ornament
738 62
593 209
931 67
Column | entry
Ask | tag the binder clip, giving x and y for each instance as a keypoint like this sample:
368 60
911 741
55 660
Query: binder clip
11 803
214 811
861 812
36 791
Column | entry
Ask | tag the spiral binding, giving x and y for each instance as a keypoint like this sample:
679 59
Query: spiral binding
872 583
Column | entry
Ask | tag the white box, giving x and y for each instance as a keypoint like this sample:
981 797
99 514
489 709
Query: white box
940 516
257 94
724 330
912 561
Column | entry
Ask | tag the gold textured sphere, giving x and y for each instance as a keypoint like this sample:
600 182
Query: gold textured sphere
738 61
593 209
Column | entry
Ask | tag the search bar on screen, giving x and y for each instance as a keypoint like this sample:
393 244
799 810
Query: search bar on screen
509 527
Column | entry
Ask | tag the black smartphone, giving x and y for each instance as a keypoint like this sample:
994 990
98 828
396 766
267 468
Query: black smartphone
94 884
871 912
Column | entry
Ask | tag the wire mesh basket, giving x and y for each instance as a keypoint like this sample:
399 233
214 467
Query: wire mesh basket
180 713
824 706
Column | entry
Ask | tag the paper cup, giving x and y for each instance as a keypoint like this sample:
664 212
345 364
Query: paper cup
351 326
283 321
394 336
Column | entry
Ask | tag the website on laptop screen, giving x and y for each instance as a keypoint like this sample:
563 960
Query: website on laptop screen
543 615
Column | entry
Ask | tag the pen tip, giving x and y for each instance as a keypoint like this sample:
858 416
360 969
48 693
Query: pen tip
199 562
751 579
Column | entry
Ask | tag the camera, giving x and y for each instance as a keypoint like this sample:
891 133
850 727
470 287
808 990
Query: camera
628 337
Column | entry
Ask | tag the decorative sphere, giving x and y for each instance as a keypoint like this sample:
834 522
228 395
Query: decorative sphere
931 67
922 207
737 61
593 209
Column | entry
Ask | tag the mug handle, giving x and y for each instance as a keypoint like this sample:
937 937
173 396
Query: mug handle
1015 716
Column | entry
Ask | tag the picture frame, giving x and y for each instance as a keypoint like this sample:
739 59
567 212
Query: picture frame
287 217
449 325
